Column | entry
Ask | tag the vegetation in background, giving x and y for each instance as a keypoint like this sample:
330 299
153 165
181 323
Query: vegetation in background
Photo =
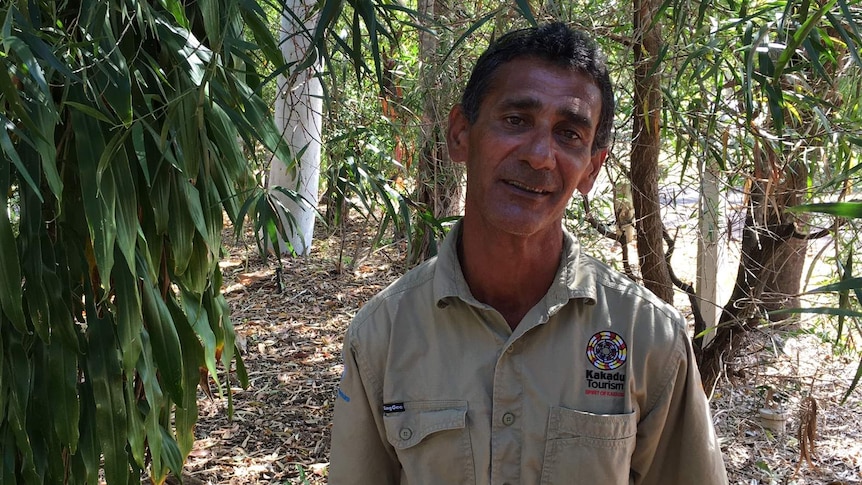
768 94
120 157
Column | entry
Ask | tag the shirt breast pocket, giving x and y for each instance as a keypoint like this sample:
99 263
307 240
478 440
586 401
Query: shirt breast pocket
432 441
595 448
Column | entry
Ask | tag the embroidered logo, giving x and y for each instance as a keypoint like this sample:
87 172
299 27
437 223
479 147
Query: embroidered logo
607 351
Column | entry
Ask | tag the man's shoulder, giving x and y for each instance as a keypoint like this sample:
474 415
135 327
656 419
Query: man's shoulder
413 287
626 294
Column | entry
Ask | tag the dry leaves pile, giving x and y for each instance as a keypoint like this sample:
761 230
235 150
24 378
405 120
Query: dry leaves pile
291 346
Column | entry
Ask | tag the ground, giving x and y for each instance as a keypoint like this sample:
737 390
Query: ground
290 340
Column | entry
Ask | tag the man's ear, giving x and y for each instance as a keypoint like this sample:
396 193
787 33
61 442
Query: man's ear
597 159
457 135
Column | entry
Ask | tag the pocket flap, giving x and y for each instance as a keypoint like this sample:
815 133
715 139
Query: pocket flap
568 423
421 418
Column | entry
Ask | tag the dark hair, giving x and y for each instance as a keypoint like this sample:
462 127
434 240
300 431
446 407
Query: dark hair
556 43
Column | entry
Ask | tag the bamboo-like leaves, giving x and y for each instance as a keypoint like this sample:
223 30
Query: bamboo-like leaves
118 129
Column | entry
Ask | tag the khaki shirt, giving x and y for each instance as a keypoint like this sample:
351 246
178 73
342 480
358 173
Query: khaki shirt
596 385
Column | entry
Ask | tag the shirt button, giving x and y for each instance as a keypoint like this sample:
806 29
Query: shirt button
508 419
405 433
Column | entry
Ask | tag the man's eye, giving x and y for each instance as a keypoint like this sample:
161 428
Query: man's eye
569 134
515 120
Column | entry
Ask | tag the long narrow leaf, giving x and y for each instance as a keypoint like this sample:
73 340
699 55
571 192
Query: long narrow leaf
106 380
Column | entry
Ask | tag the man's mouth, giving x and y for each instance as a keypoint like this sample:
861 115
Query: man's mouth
526 188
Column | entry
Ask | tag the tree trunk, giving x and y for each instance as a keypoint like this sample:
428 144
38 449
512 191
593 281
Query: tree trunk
646 144
439 180
709 254
785 278
298 114
767 238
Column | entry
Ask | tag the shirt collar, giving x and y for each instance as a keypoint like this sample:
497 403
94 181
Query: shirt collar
576 276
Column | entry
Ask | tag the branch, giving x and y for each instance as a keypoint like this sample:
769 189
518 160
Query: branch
601 227
699 322
609 233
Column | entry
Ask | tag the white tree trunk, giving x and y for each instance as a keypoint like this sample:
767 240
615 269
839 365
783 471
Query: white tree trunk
298 113
709 251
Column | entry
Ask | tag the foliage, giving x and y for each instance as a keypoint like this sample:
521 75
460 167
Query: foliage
848 288
767 93
120 126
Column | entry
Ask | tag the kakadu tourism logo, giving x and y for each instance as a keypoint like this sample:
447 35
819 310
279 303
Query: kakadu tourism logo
607 351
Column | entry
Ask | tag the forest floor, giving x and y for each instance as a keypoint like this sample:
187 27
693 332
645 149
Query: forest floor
290 340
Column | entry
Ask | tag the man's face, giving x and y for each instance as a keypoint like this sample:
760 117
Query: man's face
530 147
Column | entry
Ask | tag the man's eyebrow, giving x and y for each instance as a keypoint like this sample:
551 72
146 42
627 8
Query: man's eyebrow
576 117
523 103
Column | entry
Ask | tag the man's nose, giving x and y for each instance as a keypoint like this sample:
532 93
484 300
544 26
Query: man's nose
540 150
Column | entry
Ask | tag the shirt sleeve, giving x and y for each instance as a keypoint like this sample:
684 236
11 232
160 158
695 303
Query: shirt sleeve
360 452
676 440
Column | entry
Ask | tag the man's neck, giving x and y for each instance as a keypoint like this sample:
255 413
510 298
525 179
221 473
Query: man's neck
510 273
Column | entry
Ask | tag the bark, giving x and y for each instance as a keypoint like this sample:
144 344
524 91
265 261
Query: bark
298 114
767 238
783 280
439 180
646 144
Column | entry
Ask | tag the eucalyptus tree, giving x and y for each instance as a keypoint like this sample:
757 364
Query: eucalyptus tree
294 183
119 127
771 93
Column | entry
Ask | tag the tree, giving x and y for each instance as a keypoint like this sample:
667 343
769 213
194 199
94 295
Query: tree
120 121
770 93
439 180
299 115
646 145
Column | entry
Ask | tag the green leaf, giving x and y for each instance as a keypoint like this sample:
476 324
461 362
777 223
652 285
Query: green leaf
86 462
8 454
192 202
136 426
524 8
200 321
104 366
181 228
166 348
177 10
9 149
88 110
841 209
126 204
18 368
211 14
171 453
473 27
98 196
798 37
854 383
186 413
63 369
128 317
154 400
844 285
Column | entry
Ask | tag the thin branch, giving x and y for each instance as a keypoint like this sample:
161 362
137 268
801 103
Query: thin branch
699 322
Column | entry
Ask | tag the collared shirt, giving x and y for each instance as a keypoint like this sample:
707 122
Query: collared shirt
597 384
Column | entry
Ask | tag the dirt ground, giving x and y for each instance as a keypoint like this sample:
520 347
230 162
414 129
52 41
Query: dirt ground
291 345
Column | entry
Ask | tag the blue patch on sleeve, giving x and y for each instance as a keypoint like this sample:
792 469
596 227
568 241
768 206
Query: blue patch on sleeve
343 396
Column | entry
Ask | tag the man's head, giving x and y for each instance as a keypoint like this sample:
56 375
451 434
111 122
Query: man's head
554 43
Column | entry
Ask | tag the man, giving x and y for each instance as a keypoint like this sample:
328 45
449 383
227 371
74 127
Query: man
514 358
